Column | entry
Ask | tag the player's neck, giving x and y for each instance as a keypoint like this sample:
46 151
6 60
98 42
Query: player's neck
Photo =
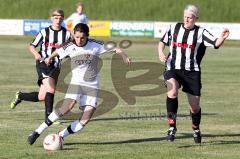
56 27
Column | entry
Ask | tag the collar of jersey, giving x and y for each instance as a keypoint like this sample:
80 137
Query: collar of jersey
189 29
55 30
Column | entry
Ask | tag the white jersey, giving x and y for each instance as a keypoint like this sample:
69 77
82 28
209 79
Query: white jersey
84 62
76 18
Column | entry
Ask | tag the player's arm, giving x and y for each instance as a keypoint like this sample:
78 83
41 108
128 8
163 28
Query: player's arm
124 56
165 40
222 38
35 53
35 43
49 59
162 56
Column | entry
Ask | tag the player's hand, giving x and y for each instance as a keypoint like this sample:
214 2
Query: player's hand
37 57
47 61
225 33
162 58
127 60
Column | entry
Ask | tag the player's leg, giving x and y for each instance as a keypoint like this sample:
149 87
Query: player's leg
192 86
67 105
49 90
172 107
78 125
89 102
32 96
23 96
195 111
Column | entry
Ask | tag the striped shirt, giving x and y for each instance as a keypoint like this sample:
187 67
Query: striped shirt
187 46
49 39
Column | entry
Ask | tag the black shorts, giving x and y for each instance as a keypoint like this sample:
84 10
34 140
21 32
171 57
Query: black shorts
189 80
45 71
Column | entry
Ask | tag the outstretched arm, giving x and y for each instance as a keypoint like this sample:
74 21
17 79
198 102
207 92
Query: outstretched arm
49 59
124 56
222 38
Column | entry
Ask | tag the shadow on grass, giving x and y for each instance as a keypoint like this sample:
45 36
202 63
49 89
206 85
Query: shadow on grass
118 142
214 141
184 136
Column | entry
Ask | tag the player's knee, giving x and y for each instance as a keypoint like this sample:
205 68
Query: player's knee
172 94
41 97
194 108
51 90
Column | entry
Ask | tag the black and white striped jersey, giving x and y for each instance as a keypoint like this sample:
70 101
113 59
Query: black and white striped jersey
49 39
187 46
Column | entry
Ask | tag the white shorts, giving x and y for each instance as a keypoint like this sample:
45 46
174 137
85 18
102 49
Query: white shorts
83 94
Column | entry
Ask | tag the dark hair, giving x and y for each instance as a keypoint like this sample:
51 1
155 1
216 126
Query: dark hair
82 28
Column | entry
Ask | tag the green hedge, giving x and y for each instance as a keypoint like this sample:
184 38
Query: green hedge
148 10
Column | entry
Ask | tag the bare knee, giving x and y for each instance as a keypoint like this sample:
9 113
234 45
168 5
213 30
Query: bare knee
194 108
41 96
172 86
172 94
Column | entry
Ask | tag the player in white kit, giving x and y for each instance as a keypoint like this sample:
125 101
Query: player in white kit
84 85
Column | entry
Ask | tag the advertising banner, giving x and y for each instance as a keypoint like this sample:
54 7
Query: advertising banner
32 27
11 27
119 28
214 28
99 28
217 28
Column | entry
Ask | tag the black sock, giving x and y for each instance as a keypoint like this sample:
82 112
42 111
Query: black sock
70 130
172 107
48 104
196 119
33 96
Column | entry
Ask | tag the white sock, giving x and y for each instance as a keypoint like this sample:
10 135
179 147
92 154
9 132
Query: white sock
75 127
41 128
52 117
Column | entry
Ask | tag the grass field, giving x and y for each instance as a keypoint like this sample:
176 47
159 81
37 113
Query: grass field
151 10
127 131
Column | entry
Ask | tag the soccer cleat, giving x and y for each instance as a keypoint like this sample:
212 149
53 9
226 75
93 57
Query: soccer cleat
16 100
33 137
171 134
57 123
197 136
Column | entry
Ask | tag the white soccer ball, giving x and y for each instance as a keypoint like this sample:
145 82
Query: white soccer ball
53 142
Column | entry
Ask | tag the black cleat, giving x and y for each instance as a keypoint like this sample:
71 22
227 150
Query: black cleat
16 100
197 136
33 137
171 134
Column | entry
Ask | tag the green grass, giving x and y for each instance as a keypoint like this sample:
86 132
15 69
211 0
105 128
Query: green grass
136 136
151 10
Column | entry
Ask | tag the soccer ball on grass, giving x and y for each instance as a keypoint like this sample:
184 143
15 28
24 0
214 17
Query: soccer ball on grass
53 142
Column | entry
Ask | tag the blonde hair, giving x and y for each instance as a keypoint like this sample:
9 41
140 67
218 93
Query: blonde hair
59 12
79 4
192 8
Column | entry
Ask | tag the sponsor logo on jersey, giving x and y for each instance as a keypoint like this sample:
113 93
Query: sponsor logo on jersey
183 45
55 45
